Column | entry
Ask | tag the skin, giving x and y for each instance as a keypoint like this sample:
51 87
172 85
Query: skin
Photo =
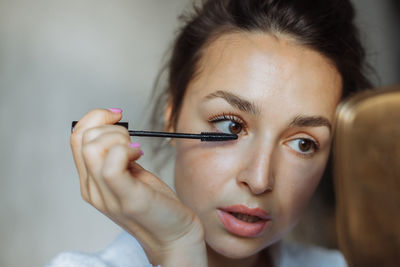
264 168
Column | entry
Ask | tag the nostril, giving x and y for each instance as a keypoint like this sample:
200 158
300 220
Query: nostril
257 189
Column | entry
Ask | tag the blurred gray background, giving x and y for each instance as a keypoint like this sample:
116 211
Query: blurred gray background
58 60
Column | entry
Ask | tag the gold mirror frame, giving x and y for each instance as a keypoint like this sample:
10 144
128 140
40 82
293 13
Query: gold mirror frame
367 177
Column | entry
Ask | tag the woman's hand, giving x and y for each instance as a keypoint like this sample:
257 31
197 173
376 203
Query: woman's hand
112 182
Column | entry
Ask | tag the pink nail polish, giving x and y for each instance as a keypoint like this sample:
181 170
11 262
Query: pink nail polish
115 110
141 152
135 145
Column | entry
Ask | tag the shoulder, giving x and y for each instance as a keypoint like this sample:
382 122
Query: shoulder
124 251
297 254
77 259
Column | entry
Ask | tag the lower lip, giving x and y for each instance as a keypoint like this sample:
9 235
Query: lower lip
241 228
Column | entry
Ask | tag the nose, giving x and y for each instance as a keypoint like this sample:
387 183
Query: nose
257 170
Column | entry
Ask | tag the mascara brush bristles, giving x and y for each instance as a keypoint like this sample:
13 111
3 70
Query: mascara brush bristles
218 136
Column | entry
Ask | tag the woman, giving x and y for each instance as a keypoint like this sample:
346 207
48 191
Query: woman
272 72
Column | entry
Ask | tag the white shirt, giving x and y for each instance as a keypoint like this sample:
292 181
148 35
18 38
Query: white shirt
126 251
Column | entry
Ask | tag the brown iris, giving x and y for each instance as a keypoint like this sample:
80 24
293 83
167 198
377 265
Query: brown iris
305 145
235 127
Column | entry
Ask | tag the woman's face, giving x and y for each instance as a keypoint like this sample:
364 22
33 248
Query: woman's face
280 98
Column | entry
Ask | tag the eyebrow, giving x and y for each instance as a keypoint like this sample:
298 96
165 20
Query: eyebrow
236 101
249 107
310 121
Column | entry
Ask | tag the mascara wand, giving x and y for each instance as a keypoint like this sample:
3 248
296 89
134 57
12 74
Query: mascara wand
203 136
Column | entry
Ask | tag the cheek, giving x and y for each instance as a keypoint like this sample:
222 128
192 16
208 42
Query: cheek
295 188
201 173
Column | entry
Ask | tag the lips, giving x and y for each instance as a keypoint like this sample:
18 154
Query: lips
244 221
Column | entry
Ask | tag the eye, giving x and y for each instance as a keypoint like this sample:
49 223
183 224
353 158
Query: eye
228 124
303 146
229 127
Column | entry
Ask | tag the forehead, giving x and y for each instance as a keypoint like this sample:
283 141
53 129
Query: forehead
271 70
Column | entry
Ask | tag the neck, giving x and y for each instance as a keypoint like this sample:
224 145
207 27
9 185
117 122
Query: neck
268 257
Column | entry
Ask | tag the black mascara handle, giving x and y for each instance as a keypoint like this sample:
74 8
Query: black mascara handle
122 123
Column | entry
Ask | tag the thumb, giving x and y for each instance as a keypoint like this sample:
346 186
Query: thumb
98 117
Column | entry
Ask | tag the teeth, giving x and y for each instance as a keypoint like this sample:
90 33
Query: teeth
246 217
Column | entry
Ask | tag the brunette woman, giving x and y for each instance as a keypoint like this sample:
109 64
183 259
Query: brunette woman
270 71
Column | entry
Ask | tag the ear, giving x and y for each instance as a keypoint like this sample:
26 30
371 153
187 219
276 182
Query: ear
168 127
167 117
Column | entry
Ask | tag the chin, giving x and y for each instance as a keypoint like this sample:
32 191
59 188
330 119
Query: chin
235 247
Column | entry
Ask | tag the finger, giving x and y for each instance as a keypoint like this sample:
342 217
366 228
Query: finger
89 136
97 117
94 153
117 175
94 118
93 133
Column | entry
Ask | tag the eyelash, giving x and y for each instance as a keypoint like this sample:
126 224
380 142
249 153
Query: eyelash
228 117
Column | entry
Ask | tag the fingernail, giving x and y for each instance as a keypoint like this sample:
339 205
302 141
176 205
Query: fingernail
141 152
115 110
135 145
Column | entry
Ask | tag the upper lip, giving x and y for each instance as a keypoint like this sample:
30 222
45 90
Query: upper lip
245 210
